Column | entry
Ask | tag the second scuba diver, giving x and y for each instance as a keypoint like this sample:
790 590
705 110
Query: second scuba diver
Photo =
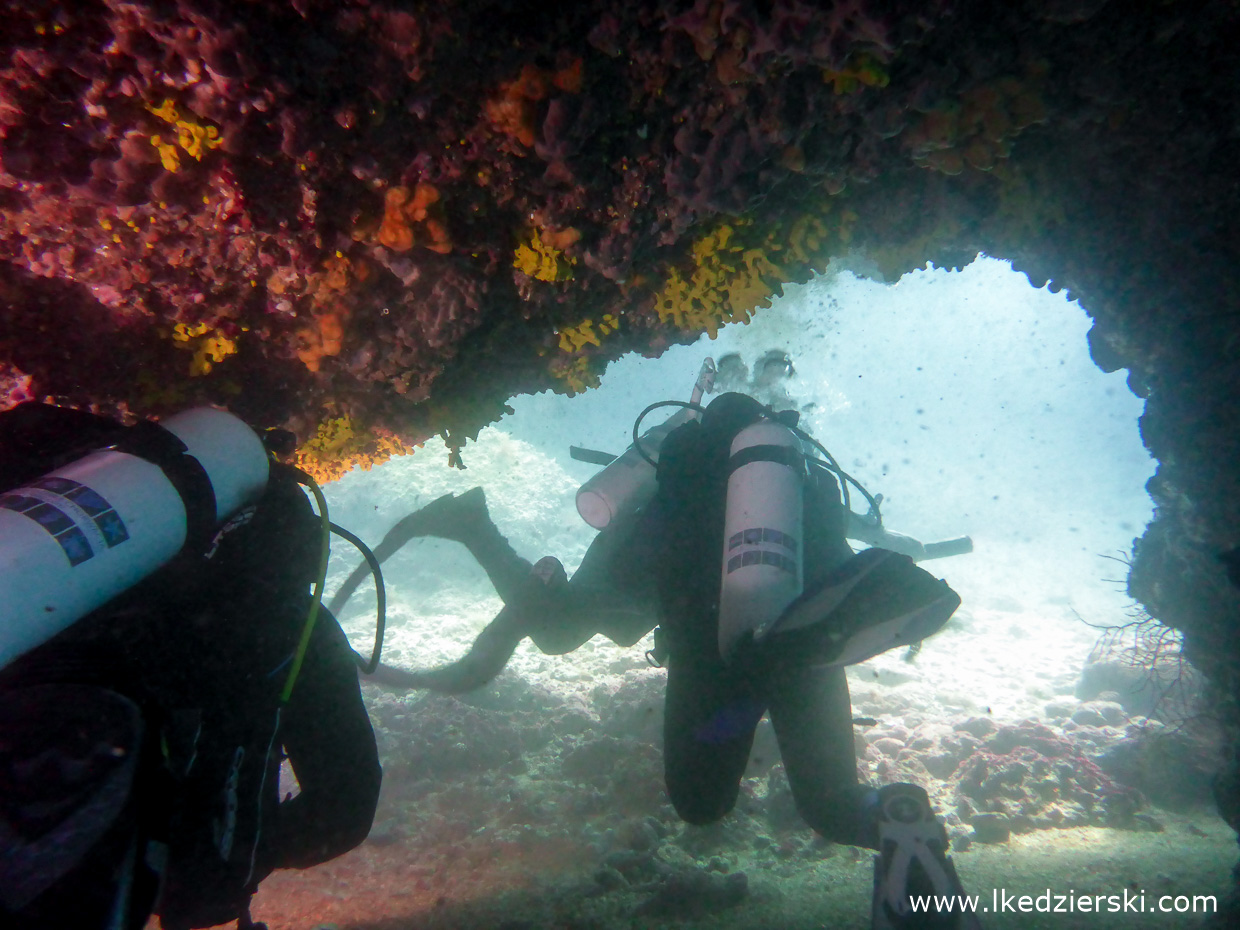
795 606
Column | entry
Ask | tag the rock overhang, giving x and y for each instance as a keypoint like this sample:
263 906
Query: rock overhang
371 222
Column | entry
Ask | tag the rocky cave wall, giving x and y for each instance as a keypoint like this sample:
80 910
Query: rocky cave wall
373 221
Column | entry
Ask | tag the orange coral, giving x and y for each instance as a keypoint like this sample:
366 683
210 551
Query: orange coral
561 238
977 130
569 79
325 337
513 110
336 273
402 209
339 271
327 292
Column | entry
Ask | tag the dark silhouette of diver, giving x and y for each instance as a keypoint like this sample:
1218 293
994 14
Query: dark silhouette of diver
140 748
662 564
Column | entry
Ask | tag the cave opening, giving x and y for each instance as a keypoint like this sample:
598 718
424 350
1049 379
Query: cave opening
969 400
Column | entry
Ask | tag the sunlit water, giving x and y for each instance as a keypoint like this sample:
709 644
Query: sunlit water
969 401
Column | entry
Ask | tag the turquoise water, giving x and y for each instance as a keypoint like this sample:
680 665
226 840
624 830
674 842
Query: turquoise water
968 399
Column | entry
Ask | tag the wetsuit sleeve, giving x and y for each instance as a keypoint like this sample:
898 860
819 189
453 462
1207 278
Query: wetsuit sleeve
331 746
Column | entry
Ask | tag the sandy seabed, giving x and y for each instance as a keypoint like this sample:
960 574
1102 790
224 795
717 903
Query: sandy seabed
548 879
468 888
537 803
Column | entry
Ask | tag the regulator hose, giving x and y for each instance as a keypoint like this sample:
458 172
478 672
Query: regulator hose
368 667
312 614
828 461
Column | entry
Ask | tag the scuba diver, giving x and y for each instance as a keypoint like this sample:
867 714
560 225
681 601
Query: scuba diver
767 383
736 546
161 653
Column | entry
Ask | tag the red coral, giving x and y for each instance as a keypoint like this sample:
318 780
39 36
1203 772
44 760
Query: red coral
1038 778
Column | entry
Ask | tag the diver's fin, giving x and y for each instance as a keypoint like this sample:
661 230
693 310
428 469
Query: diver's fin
876 601
591 456
486 658
450 517
493 647
915 882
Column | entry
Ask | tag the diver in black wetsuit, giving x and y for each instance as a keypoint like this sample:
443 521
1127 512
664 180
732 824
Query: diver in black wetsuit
662 564
853 607
612 592
140 748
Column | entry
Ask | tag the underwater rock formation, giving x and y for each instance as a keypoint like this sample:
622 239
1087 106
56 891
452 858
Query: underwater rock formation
312 212
1027 777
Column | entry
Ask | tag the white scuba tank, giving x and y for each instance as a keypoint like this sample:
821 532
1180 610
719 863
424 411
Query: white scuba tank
80 535
762 537
629 482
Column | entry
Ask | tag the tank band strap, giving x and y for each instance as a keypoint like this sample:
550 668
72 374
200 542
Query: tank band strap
159 446
781 455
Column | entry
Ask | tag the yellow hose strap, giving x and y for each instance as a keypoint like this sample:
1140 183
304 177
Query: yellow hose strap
312 615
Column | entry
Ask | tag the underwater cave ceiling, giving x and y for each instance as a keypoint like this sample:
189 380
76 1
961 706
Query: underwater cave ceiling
371 222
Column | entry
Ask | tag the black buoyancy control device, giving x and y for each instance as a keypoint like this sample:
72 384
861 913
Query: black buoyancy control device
76 537
763 530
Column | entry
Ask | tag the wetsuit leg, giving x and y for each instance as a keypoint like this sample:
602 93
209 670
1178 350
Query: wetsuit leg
558 621
486 658
327 735
610 593
812 716
710 715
